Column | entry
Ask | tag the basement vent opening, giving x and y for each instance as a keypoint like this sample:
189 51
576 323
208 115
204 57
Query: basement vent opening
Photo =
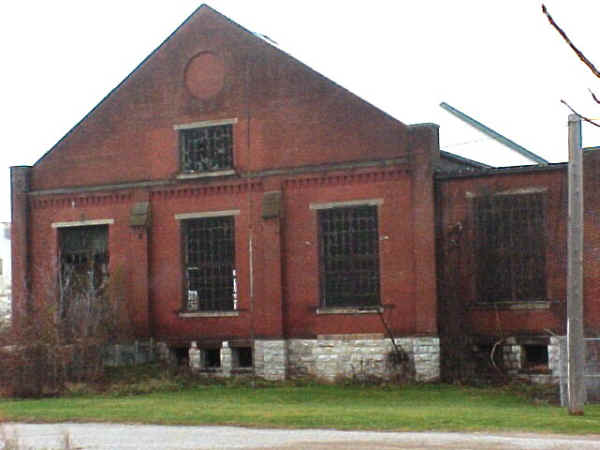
535 357
242 357
212 358
181 355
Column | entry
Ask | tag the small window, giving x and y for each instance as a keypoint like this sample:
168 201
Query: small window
349 256
212 358
535 357
242 357
210 274
181 355
510 247
206 149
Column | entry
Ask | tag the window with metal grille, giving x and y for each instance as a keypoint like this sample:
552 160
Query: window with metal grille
83 263
510 247
209 264
349 256
206 149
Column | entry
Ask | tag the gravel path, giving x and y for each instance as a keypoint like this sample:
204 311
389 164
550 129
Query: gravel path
116 436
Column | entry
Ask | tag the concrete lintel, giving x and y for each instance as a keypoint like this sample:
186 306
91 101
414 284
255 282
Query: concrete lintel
83 223
329 205
205 123
516 191
204 214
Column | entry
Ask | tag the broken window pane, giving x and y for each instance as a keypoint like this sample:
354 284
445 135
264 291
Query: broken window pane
510 247
207 149
83 265
209 263
349 256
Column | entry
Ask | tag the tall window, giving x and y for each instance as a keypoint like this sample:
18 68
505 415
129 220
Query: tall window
209 264
349 256
206 149
83 263
510 247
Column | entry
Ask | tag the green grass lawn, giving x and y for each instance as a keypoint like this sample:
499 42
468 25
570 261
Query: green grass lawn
414 407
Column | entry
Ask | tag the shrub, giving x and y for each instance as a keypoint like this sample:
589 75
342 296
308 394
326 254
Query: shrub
61 338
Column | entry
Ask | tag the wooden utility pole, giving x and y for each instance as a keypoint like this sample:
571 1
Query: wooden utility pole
575 341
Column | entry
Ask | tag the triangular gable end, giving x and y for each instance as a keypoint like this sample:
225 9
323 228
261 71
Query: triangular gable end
264 87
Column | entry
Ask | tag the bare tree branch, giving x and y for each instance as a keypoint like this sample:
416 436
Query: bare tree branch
585 119
594 96
581 56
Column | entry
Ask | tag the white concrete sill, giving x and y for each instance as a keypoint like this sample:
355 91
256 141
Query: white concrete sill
216 173
195 314
350 310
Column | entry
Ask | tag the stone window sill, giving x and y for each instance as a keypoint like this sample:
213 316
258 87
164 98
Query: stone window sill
192 315
216 173
350 310
514 306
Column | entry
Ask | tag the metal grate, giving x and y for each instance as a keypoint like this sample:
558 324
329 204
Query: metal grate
209 261
510 247
349 256
207 149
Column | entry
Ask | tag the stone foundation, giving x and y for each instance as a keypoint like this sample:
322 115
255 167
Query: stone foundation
362 357
554 355
513 361
270 359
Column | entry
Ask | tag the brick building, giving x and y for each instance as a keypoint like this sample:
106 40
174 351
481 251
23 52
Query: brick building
249 204
260 217
502 265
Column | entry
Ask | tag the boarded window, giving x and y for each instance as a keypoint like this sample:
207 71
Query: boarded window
349 256
206 149
83 263
510 247
209 264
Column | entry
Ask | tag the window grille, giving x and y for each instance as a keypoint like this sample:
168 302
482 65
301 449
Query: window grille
510 247
207 149
349 256
209 264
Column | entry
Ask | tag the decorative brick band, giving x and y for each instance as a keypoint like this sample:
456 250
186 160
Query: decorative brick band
39 202
342 179
206 190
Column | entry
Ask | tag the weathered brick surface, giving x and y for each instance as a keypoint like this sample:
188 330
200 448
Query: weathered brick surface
292 130
288 117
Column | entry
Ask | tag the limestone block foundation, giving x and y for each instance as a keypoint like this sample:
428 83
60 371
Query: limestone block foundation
363 356
331 356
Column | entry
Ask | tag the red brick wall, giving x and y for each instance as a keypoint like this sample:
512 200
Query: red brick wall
591 248
396 255
287 117
284 257
455 241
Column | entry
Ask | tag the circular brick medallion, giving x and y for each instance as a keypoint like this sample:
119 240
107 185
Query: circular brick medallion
204 75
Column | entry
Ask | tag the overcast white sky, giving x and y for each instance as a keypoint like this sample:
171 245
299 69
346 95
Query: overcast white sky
499 62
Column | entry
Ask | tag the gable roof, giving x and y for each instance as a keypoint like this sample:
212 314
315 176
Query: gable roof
199 10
